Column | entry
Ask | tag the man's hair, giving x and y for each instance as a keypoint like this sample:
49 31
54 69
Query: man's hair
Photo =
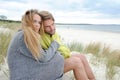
46 15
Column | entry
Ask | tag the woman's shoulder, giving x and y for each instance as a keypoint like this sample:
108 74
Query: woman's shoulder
18 35
16 38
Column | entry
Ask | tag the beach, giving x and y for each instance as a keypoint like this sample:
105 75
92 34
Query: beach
87 36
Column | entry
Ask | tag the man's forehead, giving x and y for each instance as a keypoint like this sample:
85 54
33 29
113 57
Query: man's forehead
48 22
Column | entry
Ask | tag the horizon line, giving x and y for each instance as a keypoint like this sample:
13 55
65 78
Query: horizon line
67 23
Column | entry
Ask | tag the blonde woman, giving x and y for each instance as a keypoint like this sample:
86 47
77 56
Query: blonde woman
26 59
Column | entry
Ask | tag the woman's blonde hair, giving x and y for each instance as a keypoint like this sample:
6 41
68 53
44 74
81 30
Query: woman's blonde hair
31 38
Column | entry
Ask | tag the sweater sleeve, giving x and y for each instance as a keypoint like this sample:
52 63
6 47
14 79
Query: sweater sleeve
49 53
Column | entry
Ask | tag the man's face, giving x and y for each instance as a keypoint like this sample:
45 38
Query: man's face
49 26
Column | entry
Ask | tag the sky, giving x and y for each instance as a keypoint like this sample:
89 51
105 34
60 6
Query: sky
66 11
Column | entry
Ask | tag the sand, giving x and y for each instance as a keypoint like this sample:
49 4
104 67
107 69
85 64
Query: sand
87 36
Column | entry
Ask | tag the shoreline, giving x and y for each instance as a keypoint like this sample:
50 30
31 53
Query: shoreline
87 36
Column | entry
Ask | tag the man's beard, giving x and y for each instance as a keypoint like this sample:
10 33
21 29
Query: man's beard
51 33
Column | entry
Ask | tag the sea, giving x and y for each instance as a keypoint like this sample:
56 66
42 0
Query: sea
96 27
114 28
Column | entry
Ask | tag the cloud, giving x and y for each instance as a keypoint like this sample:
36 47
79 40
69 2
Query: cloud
65 10
84 17
103 6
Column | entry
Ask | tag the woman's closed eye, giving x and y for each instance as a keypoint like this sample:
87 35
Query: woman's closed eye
35 21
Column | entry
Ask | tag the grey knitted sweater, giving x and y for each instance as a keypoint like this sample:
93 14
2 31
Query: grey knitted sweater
23 66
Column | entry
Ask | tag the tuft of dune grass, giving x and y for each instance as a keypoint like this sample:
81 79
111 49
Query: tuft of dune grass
4 42
6 35
93 48
113 60
106 51
111 57
75 46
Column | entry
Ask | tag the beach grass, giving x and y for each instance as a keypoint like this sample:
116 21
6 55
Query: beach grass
10 25
93 48
113 61
102 53
105 51
5 36
4 42
75 46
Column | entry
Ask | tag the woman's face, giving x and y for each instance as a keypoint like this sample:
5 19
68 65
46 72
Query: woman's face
36 22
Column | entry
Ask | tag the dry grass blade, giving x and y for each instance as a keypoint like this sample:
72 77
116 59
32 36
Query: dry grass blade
93 48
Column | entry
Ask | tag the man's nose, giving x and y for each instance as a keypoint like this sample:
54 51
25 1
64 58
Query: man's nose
51 27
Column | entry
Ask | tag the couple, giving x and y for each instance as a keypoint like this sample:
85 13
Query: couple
36 52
